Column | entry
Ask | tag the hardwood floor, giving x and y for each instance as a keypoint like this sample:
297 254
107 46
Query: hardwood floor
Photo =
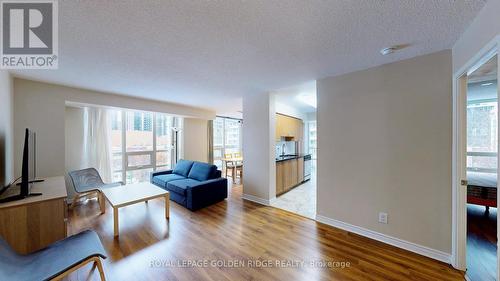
238 230
481 243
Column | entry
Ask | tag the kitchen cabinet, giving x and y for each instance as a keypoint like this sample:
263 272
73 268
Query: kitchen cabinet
289 174
300 169
279 126
280 187
287 126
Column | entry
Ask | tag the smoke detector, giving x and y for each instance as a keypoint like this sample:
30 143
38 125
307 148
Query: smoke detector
388 50
392 49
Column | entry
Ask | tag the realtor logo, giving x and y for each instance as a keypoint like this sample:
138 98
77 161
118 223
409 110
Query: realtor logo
29 35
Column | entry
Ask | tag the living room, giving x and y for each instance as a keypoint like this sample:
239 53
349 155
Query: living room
156 140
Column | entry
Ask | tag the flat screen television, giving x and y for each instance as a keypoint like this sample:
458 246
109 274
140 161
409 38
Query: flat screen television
28 174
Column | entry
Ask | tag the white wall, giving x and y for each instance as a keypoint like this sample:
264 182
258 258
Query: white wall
482 30
6 128
476 91
258 147
384 145
74 141
41 107
195 139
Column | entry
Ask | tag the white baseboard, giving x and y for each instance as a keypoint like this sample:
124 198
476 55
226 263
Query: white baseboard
403 244
256 199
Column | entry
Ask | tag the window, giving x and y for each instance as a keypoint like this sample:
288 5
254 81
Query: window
313 139
142 142
227 138
482 136
232 129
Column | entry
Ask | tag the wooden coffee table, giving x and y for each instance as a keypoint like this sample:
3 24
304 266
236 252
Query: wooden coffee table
129 194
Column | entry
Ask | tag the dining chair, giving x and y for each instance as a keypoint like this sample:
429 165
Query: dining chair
238 164
230 165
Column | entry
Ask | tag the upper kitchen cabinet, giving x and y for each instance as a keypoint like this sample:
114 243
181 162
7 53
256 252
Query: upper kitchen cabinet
287 126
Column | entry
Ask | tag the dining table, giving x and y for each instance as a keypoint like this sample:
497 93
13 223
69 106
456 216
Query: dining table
233 160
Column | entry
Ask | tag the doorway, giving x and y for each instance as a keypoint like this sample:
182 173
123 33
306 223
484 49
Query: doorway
475 166
296 149
482 166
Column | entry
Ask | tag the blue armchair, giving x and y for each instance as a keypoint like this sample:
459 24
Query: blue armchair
192 184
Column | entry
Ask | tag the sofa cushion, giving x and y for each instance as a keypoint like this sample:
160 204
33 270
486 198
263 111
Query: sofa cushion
162 180
182 167
180 186
202 171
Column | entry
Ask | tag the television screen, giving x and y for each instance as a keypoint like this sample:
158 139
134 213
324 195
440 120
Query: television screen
28 173
31 156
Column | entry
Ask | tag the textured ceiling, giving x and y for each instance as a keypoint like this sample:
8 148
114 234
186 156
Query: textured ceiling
210 53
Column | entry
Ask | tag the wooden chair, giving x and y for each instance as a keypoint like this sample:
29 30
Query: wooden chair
230 165
239 164
56 261
88 182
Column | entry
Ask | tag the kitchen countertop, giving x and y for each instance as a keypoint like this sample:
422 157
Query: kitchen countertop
290 157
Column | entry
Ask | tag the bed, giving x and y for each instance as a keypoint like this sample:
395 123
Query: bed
482 189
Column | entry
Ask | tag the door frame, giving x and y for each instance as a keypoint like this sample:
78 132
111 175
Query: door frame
459 160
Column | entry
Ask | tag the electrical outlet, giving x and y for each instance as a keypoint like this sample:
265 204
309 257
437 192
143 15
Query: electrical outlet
382 218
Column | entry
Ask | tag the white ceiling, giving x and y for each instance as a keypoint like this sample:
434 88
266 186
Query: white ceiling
211 53
482 83
290 96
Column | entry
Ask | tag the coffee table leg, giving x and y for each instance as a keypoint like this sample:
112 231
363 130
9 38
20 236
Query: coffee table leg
115 219
167 205
102 203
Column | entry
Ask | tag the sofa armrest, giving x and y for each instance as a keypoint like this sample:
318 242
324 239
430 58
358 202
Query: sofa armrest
206 193
218 174
154 174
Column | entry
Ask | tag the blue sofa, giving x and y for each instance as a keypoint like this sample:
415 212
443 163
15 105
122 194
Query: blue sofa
192 184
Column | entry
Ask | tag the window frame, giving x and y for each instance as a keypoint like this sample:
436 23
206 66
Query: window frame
152 153
224 146
484 153
313 150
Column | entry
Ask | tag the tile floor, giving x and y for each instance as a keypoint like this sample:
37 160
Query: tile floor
300 200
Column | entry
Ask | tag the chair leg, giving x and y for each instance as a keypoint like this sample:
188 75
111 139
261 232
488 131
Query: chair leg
102 202
97 262
75 199
100 268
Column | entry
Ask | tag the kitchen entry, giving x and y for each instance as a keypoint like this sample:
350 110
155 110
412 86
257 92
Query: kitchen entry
295 150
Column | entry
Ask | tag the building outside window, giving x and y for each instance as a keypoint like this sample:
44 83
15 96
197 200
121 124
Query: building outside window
482 136
227 138
142 142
